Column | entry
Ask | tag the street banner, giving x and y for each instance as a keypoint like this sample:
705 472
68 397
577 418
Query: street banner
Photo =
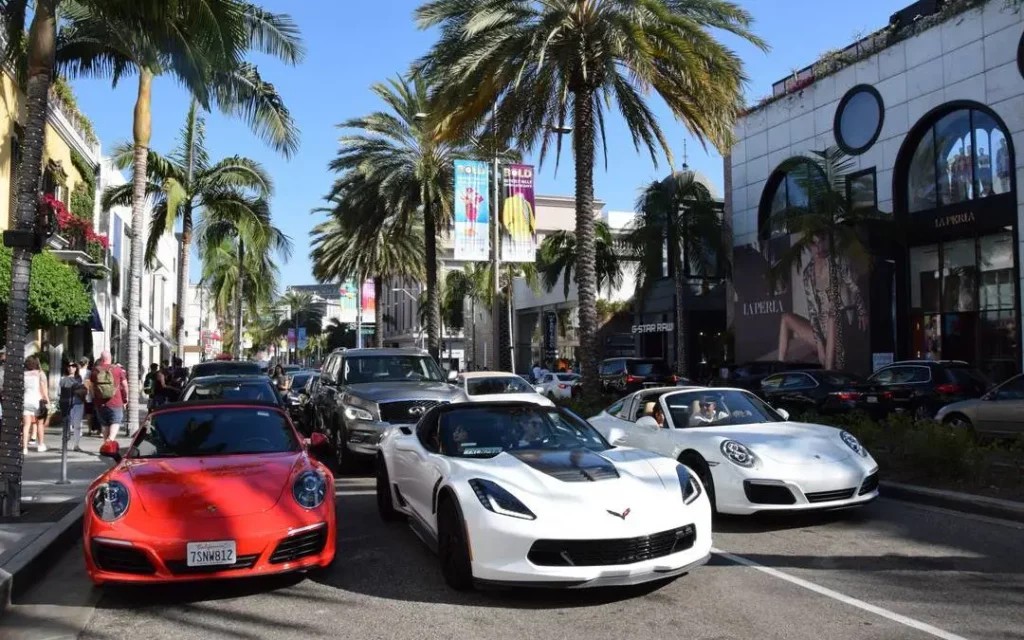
302 338
518 215
291 338
472 210
369 300
550 335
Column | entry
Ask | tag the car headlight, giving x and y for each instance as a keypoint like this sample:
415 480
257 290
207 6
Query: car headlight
309 489
688 484
497 500
355 413
110 500
357 408
738 453
852 442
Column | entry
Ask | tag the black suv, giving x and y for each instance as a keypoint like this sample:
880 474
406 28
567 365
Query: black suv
922 387
626 375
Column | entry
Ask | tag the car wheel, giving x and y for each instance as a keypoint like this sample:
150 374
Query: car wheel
453 548
385 499
703 471
342 456
958 421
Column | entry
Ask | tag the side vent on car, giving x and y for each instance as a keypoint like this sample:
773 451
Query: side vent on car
433 500
401 498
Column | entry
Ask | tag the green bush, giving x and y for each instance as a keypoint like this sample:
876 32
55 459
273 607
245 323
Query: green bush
57 296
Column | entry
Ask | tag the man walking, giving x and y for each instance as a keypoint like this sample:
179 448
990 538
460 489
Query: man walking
109 386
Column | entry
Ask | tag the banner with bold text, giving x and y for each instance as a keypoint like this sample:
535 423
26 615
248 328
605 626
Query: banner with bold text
472 211
518 215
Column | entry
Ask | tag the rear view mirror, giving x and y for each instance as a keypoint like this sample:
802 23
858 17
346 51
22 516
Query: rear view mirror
111 450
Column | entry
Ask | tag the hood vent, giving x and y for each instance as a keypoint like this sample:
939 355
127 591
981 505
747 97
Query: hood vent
569 466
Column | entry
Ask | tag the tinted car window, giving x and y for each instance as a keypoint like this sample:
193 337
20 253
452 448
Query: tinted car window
1012 389
481 432
255 390
796 381
968 376
399 368
647 367
299 380
713 408
840 379
213 432
226 368
567 377
772 382
497 385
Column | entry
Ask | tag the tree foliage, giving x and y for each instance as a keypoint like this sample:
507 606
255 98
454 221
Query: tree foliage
57 296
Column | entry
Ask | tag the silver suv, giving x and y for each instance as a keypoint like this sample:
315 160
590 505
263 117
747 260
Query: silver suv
364 391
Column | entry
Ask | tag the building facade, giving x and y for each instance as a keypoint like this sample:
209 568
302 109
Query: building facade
202 332
930 110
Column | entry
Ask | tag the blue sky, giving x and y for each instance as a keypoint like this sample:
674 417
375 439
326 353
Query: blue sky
352 44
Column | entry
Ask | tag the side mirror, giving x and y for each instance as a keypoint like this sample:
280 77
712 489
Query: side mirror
783 413
453 376
538 389
317 440
111 450
649 422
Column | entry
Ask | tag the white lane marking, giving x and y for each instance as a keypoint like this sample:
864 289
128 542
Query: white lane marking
835 595
960 514
355 493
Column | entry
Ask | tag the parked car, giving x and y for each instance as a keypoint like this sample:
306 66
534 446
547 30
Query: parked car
361 392
922 387
557 386
749 375
225 367
497 386
626 375
296 398
819 390
1000 412
253 388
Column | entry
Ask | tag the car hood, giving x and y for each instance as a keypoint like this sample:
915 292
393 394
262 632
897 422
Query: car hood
214 486
535 398
393 391
788 442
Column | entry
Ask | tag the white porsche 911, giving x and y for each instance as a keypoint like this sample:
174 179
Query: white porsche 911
522 494
749 457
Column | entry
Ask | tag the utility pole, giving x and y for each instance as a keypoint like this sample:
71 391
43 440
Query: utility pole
496 245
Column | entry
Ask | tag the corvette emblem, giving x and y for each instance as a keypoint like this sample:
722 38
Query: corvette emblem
417 410
619 515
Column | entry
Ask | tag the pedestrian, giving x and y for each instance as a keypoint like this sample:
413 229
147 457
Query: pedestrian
109 387
167 389
280 379
536 372
36 398
149 385
72 403
88 411
179 376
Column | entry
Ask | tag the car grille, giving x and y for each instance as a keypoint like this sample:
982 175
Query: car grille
829 496
870 484
121 559
180 567
596 553
591 474
300 546
406 411
768 493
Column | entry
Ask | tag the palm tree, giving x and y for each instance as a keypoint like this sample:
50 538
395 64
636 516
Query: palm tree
402 155
557 259
539 63
302 310
828 232
186 184
679 210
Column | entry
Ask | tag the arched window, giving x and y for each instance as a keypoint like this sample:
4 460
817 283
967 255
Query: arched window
785 189
964 155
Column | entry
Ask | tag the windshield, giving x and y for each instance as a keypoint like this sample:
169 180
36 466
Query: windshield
364 369
299 380
483 432
712 408
567 377
497 385
214 432
647 367
225 368
231 390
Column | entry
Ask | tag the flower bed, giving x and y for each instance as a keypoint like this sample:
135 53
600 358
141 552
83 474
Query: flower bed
78 231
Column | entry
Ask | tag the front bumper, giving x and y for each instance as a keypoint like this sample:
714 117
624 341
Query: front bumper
603 581
149 550
810 487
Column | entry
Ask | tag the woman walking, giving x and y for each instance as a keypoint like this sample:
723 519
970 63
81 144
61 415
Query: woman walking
72 403
36 400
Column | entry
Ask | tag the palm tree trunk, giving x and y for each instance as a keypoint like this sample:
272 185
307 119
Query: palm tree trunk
41 46
433 301
239 292
143 130
679 282
586 276
185 250
471 352
378 312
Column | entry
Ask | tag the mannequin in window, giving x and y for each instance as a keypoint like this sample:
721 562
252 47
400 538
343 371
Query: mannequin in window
984 170
1003 166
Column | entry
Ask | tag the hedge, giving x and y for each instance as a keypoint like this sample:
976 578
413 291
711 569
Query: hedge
57 296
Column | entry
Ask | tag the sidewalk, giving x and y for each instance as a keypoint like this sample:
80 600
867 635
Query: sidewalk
50 512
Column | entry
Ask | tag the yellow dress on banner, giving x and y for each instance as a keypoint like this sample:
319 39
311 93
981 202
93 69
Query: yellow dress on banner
518 218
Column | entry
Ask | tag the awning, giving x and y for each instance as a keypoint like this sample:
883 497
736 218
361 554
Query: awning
95 322
156 335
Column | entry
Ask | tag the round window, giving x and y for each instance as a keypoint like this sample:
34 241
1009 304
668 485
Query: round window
859 119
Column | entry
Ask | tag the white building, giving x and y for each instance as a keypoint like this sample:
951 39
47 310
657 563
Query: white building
202 333
931 111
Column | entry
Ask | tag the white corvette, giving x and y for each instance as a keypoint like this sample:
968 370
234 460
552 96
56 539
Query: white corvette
521 494
749 457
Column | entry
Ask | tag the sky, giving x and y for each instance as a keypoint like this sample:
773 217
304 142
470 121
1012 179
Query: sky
350 44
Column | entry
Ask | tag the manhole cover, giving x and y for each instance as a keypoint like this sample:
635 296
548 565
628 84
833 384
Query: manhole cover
34 512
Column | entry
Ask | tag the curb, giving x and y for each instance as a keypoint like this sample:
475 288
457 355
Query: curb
966 502
31 561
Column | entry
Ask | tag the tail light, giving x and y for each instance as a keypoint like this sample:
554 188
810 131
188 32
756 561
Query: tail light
563 386
674 379
846 396
630 378
949 389
886 395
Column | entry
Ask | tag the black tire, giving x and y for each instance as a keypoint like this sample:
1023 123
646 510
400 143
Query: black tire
958 421
452 547
703 471
385 499
343 458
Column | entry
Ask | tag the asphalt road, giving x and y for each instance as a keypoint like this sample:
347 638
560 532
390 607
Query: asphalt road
890 571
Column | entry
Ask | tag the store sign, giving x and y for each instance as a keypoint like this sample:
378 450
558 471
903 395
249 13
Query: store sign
551 334
954 220
659 327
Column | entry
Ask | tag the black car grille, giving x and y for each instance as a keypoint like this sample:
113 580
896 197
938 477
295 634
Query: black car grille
121 559
768 493
870 484
406 411
598 553
299 546
180 567
829 496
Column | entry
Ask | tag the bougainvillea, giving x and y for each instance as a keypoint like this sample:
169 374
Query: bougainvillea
75 227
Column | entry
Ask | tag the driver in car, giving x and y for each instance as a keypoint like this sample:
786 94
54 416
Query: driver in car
532 432
708 413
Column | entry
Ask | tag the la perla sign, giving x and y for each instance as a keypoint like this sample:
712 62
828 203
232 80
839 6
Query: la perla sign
954 220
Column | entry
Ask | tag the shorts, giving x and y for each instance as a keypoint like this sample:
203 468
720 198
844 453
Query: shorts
106 416
30 409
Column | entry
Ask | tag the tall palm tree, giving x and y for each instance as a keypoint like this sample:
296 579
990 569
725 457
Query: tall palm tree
302 311
402 154
539 63
226 278
186 183
681 212
557 259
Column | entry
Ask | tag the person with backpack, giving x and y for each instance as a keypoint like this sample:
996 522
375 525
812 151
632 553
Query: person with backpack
109 386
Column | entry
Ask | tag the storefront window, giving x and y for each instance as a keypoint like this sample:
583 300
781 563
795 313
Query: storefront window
954 160
921 181
924 279
789 189
958 276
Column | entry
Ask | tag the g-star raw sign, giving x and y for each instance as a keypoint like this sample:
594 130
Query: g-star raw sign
659 327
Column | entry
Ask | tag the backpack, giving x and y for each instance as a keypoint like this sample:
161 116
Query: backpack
105 387
147 385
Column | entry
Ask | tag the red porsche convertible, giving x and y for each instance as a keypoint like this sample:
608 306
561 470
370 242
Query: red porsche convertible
210 490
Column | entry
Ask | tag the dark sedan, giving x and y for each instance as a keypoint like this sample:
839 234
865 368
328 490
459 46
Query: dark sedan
254 388
225 367
818 390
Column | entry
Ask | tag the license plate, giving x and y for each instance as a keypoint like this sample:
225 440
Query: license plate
872 400
208 554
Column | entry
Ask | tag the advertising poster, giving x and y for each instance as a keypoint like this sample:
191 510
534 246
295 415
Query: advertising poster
302 338
291 338
369 301
518 215
472 210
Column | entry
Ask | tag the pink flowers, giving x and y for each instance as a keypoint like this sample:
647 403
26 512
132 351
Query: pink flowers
67 221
